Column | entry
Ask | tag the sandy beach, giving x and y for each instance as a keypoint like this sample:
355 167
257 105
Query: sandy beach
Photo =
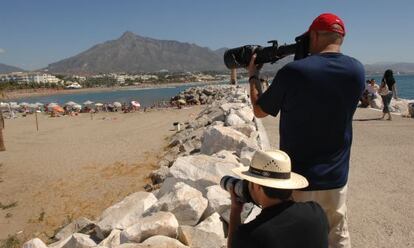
75 166
381 185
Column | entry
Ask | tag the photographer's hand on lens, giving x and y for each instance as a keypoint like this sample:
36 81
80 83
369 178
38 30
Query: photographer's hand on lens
236 205
252 68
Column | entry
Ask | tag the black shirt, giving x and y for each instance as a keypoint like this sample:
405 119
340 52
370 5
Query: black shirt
286 225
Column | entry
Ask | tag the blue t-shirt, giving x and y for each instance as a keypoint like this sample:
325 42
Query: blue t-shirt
317 97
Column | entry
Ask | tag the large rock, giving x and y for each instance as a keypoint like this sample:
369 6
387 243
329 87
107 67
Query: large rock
124 213
113 240
245 113
227 156
218 138
201 171
158 176
218 200
246 155
162 242
79 240
212 224
34 243
160 223
229 106
233 119
185 202
195 237
76 226
246 129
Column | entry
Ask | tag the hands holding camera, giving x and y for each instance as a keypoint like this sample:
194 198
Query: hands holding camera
252 68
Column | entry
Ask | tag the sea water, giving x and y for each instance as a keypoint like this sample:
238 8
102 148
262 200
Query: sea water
145 96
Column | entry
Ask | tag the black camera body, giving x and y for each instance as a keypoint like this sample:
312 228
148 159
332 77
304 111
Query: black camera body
240 56
240 188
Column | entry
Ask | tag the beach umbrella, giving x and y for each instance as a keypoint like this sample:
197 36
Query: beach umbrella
58 109
70 103
77 106
33 106
39 104
135 104
51 105
14 105
88 103
117 104
98 104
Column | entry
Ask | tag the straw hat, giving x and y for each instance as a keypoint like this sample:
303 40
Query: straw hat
272 169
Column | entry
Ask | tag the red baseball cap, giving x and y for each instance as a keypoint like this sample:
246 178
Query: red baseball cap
326 22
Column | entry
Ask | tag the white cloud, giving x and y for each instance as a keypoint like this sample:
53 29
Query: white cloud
2 50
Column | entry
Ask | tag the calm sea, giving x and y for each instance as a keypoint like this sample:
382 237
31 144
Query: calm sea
147 97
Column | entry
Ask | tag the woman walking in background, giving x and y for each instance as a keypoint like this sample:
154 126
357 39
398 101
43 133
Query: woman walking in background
387 90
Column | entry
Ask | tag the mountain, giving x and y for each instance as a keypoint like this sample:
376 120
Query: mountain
8 68
134 53
379 68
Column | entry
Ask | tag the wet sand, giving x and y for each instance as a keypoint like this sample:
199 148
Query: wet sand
381 184
75 166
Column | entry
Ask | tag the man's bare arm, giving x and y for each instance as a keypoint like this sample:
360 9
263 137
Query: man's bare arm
254 93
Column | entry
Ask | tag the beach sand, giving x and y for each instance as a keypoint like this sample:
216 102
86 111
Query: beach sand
75 166
381 184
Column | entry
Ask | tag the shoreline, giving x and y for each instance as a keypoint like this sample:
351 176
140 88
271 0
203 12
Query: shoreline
19 94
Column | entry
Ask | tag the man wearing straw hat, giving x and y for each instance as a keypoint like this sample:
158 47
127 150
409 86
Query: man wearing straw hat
317 97
282 222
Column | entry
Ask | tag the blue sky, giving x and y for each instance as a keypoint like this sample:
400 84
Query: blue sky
35 33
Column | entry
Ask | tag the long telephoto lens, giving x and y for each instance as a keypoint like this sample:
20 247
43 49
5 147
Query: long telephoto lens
240 187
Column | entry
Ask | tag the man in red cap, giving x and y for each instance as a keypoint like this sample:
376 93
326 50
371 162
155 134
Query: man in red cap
317 97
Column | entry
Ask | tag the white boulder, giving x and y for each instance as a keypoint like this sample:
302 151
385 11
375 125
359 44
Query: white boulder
233 119
34 243
113 240
245 113
218 138
194 237
185 202
212 224
162 242
218 200
227 156
226 107
200 171
74 227
79 240
160 223
125 213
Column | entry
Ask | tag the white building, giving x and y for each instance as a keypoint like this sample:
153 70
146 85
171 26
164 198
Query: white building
29 78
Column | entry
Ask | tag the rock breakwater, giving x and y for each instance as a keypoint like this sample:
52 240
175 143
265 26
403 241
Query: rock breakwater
185 205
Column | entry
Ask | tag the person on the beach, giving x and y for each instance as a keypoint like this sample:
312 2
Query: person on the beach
388 81
2 146
282 221
317 97
372 89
